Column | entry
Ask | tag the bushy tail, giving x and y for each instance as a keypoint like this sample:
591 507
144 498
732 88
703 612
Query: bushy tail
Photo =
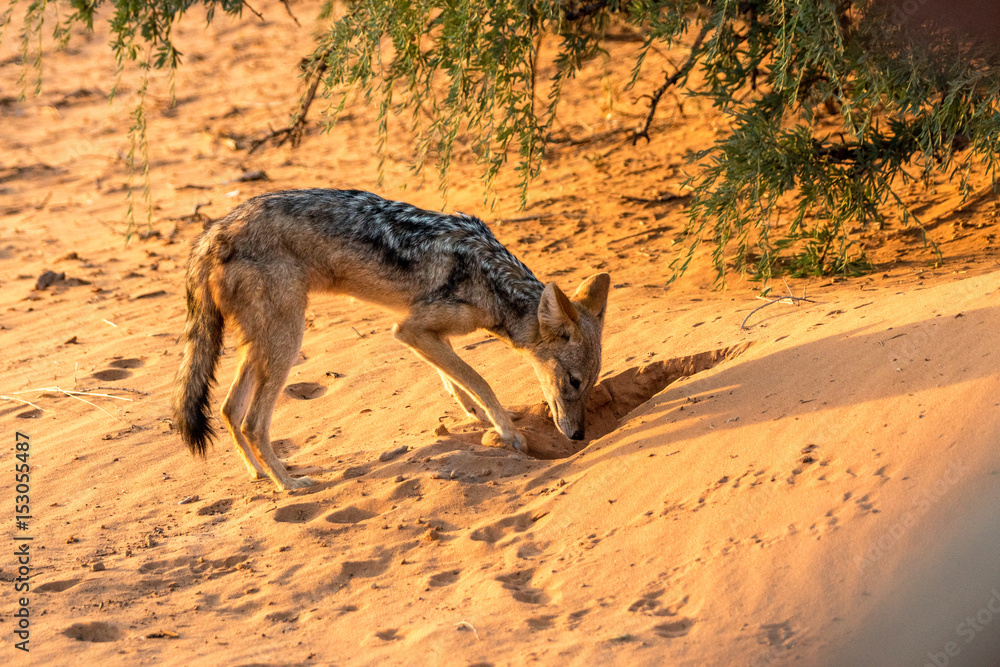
203 346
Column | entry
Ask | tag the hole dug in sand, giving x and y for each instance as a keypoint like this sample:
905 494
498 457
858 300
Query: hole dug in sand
611 400
56 586
126 363
95 631
111 375
305 391
297 513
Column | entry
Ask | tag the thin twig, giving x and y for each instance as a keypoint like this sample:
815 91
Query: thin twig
590 138
95 406
289 10
671 80
525 218
665 198
470 626
76 395
69 392
248 6
134 391
786 299
294 131
643 233
21 400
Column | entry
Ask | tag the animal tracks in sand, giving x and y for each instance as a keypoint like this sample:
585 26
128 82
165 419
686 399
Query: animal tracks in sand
542 622
495 531
111 375
56 586
549 621
444 578
651 604
352 514
297 512
119 370
776 634
289 616
518 585
184 571
127 363
573 620
218 507
674 629
95 631
305 391
355 569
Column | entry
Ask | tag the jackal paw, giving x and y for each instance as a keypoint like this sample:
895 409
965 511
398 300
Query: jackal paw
299 483
514 439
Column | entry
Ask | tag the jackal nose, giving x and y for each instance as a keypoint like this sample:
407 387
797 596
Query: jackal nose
577 434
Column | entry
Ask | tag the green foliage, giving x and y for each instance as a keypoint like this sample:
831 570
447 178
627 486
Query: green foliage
905 100
832 105
468 66
141 38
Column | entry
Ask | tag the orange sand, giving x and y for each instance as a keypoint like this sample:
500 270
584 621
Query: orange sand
818 489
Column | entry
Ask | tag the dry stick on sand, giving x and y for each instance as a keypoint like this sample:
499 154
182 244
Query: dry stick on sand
21 400
468 626
71 394
665 198
791 298
525 218
654 230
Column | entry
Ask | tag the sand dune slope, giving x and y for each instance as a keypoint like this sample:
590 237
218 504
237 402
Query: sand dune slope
812 490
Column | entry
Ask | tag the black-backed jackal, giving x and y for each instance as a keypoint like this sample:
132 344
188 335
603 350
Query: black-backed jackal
445 275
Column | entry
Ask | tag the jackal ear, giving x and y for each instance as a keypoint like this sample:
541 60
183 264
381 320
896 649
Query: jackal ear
557 316
592 295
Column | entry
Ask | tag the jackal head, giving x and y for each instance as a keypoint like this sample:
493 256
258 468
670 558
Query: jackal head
567 353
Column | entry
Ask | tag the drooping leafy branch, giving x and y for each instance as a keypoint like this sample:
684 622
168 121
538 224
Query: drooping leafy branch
832 105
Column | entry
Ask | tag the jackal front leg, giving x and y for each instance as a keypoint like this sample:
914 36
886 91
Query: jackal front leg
430 347
468 404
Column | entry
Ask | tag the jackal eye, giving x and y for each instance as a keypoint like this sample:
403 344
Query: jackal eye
574 382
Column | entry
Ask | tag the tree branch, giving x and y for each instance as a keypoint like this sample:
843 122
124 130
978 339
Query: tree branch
584 11
294 131
671 80
289 10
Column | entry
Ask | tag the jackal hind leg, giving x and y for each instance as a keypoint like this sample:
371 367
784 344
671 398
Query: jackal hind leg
273 339
429 346
234 410
470 406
